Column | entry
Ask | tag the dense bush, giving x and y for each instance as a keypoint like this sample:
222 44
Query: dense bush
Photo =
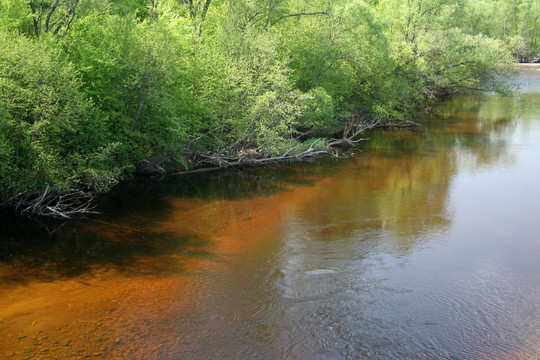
91 90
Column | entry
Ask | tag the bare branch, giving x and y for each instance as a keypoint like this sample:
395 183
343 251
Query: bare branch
186 145
252 17
49 202
303 14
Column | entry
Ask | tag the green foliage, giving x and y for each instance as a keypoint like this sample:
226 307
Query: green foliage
319 111
471 60
439 53
47 123
256 98
92 89
134 71
15 16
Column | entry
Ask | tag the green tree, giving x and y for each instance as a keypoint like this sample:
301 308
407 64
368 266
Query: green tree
434 53
52 134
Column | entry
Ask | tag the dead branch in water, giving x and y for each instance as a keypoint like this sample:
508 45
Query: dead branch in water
356 125
212 162
52 203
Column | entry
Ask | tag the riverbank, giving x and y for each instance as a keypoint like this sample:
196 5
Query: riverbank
78 203
424 247
159 87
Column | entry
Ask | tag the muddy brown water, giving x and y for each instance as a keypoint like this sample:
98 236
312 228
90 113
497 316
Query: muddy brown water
424 246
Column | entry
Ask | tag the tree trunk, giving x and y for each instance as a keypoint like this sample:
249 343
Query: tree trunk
533 35
37 11
51 10
203 14
504 30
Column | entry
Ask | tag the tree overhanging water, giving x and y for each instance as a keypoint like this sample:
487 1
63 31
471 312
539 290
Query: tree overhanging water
93 90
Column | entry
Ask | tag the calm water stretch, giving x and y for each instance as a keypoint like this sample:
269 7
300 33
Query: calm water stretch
424 246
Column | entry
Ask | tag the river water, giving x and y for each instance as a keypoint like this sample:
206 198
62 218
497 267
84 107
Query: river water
424 246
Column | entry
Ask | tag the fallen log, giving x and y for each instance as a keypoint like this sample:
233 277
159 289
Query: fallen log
215 162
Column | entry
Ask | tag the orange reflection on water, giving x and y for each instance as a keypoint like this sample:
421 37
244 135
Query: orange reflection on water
155 279
108 311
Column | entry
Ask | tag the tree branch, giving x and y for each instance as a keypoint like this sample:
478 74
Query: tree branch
303 14
51 10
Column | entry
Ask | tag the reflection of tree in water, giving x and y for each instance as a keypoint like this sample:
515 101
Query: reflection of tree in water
404 197
151 195
482 137
403 188
72 251
400 187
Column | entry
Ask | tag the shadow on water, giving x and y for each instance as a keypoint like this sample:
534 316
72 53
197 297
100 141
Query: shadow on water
236 184
119 239
151 195
32 254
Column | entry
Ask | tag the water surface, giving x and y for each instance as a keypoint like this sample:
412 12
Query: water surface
424 246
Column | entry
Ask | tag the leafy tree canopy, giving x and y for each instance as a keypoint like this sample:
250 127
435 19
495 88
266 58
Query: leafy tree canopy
93 89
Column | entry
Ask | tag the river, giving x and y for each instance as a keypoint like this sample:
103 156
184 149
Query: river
424 245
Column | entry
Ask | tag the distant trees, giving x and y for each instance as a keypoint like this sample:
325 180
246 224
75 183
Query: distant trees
513 21
94 89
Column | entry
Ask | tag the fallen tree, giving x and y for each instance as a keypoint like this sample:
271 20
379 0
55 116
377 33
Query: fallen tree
213 161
